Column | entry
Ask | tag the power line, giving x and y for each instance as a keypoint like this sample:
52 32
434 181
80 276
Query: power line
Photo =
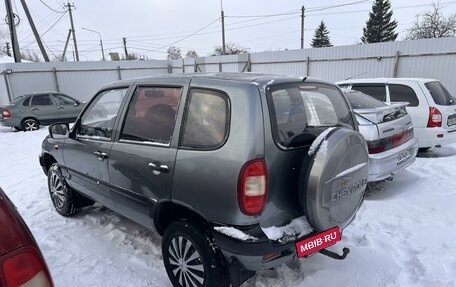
265 16
49 7
60 18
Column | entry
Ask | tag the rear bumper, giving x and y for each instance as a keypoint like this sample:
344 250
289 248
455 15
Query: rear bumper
10 122
250 252
385 164
431 137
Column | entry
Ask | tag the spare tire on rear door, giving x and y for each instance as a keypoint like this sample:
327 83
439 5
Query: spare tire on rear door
334 178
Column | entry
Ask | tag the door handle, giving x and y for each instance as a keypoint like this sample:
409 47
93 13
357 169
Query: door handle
101 155
35 110
158 168
60 108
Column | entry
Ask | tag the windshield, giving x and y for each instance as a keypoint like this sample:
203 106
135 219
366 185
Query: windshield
360 100
301 111
440 94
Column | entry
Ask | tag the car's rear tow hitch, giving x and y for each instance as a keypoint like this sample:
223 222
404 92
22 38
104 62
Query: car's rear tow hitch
334 255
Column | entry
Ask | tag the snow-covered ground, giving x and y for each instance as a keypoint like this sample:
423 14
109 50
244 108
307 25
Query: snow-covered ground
404 235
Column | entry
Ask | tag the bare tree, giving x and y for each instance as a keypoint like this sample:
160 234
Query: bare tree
174 53
191 54
231 49
4 37
432 24
30 56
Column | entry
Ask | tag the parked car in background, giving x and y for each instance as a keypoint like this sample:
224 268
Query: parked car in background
388 131
21 262
431 107
30 111
217 164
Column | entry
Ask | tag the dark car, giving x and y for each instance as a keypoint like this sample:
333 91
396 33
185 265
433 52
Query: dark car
21 262
28 112
219 165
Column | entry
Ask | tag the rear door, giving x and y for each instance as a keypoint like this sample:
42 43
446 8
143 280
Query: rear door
141 163
86 152
43 108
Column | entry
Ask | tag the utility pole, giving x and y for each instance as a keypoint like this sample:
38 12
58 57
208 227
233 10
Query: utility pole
69 6
12 29
125 48
35 32
223 33
8 49
66 45
302 26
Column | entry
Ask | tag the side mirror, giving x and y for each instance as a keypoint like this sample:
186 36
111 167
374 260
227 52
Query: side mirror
59 131
76 104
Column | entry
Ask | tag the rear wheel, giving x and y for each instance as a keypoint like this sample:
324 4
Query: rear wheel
30 125
192 258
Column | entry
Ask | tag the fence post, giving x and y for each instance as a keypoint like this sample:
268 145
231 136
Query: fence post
56 79
8 87
396 65
119 73
307 66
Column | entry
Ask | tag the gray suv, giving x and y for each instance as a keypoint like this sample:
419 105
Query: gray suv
237 172
30 111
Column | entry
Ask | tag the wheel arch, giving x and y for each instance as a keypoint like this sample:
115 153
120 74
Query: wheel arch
48 160
30 118
168 211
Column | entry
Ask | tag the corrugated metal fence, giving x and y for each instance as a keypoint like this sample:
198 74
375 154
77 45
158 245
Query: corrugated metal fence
431 58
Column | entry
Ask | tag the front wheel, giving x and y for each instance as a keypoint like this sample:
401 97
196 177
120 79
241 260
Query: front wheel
65 200
192 258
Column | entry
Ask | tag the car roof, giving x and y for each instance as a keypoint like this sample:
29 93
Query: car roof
42 93
385 80
255 78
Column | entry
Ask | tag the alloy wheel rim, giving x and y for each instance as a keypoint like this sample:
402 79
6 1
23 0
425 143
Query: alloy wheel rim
30 126
57 190
186 263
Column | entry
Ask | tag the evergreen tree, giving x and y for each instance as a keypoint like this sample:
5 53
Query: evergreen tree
379 27
321 37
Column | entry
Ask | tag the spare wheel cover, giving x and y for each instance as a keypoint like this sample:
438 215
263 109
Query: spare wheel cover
333 184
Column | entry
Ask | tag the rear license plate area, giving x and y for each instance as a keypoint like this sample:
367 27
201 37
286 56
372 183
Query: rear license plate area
314 243
403 156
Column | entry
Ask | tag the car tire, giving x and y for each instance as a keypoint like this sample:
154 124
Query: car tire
65 200
192 257
30 125
423 149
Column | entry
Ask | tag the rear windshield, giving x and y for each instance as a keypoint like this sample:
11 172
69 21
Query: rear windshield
300 112
440 94
360 100
17 100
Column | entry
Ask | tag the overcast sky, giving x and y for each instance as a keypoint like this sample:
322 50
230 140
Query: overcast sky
151 26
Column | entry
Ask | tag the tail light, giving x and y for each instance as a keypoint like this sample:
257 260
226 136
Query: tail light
388 143
252 187
6 114
25 267
435 118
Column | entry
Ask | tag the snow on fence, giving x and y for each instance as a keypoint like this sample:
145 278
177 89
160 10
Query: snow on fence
430 58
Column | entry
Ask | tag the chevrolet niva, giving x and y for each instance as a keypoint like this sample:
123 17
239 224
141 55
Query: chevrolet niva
237 171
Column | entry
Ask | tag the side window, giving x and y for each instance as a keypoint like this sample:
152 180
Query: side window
42 100
64 100
377 91
403 93
207 120
151 115
26 102
98 119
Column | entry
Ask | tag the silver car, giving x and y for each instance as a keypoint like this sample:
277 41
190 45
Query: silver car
388 131
28 112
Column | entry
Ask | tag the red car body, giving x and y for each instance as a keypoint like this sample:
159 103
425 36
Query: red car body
21 262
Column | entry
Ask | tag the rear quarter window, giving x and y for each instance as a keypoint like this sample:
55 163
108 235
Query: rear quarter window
207 120
300 112
440 94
